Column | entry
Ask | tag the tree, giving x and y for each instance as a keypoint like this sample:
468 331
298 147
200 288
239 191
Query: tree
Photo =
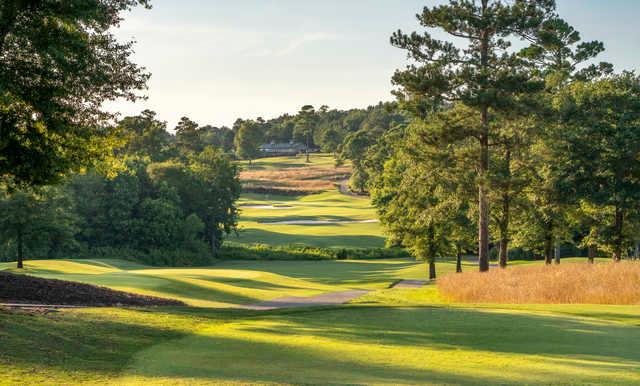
597 156
219 187
58 64
483 76
247 140
147 136
220 137
422 196
557 53
188 136
31 218
306 122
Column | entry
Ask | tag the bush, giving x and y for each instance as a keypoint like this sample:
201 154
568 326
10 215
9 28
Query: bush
296 252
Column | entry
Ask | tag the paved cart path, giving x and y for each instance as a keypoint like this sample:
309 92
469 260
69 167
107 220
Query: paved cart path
410 284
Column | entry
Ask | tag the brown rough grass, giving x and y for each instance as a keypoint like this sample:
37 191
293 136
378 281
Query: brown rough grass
307 179
573 283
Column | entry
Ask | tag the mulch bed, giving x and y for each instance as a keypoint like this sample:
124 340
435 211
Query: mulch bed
16 288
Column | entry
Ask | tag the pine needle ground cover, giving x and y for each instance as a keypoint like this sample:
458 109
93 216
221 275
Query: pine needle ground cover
389 336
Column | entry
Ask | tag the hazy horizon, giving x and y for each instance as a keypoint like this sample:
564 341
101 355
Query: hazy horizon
216 61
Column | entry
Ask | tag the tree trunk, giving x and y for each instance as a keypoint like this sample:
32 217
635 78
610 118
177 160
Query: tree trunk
432 269
557 252
483 203
458 260
591 254
548 243
636 252
20 249
617 251
307 147
506 207
214 247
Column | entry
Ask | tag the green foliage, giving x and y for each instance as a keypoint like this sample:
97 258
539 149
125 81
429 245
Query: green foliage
296 252
51 116
160 213
481 73
146 136
598 154
247 140
36 223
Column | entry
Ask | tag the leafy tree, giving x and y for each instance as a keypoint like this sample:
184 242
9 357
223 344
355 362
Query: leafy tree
33 218
219 188
247 140
188 136
559 56
306 124
220 137
59 63
483 75
147 136
422 196
598 155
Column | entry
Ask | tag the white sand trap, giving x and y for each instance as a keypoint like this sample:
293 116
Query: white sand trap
266 207
317 222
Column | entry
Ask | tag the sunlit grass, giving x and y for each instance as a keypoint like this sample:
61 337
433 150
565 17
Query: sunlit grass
229 283
255 224
389 336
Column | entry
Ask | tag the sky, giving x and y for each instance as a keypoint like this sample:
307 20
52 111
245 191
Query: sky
217 60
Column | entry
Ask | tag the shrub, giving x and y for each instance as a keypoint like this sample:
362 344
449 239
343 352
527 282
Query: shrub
296 252
602 283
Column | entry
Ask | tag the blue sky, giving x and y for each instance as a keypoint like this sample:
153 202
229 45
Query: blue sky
217 60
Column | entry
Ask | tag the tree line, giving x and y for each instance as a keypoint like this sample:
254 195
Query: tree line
518 138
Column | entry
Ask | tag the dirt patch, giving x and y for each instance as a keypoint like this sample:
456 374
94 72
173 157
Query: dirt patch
15 288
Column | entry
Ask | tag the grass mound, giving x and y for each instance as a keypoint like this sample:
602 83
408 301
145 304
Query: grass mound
578 283
28 289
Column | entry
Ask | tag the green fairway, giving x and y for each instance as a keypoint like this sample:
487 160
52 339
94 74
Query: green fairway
389 336
231 283
340 221
327 219
275 163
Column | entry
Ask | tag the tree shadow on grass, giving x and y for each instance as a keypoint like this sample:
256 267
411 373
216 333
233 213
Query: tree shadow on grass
507 331
270 347
331 346
77 347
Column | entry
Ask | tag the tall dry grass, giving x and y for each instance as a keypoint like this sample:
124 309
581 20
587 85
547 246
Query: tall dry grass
582 283
310 179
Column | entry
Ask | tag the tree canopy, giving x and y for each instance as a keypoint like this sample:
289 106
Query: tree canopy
59 62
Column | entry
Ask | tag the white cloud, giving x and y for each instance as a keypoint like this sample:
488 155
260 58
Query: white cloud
292 45
298 42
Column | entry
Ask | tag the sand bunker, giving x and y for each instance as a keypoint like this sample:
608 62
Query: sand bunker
317 222
266 207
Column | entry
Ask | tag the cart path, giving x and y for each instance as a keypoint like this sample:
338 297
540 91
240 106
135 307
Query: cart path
410 284
328 299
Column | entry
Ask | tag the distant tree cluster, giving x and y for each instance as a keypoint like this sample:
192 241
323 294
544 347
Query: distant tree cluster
171 201
533 147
